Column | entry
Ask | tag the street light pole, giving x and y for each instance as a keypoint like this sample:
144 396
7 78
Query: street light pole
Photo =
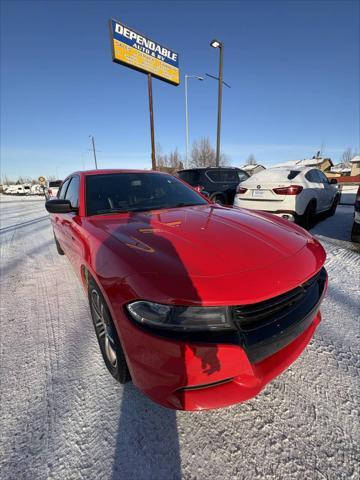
220 46
94 151
187 115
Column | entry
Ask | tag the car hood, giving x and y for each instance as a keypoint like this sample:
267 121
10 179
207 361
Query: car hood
199 241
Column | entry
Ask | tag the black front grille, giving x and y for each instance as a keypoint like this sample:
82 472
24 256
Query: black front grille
268 326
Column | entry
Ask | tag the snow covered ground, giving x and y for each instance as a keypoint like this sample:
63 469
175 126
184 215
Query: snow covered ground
64 417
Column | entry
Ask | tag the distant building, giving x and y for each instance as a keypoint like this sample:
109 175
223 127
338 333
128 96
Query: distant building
341 170
322 163
316 161
252 169
355 166
338 170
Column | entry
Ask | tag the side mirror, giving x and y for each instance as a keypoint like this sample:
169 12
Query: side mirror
333 181
57 205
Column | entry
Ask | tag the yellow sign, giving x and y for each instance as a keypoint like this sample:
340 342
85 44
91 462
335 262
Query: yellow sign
136 51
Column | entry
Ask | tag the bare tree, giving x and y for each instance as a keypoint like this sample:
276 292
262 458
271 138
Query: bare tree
203 154
175 160
168 162
161 158
251 160
346 157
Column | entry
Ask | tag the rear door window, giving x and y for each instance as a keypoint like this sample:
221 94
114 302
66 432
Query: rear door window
191 177
223 176
312 176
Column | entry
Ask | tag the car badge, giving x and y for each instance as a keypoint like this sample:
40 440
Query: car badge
258 187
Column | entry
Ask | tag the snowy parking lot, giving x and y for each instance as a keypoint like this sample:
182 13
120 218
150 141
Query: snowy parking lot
64 417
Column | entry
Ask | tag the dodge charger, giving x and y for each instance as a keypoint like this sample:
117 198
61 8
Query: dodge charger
200 305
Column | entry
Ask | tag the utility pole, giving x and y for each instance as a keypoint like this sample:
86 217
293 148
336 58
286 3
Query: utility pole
220 46
94 151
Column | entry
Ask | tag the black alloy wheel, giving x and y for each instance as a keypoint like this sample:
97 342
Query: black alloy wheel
109 343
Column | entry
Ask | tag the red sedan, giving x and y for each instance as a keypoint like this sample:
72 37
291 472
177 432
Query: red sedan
200 305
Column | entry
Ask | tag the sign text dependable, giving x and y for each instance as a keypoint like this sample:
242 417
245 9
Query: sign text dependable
132 49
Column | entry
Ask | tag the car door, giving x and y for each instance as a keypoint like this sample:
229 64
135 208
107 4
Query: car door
317 187
226 181
329 190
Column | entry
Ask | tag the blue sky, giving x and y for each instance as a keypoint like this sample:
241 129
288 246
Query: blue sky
293 67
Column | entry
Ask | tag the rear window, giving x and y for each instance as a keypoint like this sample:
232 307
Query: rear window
191 177
293 174
137 192
223 176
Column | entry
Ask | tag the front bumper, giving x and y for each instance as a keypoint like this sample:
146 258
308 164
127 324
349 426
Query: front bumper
200 375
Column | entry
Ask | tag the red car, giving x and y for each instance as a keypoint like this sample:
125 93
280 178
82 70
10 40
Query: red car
200 305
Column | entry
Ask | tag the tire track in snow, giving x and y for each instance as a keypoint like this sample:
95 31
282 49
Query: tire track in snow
63 417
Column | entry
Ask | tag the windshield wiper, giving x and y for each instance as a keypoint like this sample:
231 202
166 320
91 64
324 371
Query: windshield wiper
144 209
112 210
183 204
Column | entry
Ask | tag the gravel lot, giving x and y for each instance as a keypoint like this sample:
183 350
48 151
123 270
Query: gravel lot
64 417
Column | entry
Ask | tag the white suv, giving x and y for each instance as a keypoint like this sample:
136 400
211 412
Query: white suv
297 194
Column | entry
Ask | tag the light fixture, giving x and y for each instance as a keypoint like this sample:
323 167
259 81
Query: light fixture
215 44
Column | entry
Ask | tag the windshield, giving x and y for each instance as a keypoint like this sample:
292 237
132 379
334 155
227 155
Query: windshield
134 192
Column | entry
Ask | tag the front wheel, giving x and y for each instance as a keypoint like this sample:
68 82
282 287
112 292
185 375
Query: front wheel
355 232
109 343
58 247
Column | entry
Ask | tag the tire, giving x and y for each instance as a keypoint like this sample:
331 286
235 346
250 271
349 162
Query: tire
307 220
355 232
333 207
58 248
106 334
218 199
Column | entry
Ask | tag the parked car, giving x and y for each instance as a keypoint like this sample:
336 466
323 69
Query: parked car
38 189
296 194
53 188
355 232
217 183
18 190
200 305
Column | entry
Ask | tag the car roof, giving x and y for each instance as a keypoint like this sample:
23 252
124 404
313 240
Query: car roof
221 167
104 171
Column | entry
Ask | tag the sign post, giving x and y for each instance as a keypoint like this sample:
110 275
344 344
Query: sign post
133 50
152 132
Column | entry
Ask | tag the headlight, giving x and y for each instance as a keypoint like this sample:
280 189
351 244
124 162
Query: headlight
180 318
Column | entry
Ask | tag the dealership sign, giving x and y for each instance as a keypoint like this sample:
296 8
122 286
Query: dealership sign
133 50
